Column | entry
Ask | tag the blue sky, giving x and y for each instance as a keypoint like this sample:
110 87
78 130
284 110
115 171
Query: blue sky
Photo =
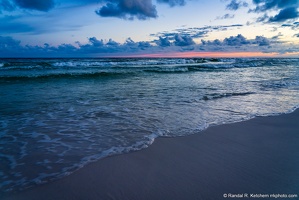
96 28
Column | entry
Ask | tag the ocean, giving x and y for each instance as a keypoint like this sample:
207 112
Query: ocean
57 115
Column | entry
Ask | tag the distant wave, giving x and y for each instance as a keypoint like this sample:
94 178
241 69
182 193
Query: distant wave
130 62
65 75
84 68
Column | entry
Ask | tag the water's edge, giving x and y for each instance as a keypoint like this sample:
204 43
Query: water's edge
112 153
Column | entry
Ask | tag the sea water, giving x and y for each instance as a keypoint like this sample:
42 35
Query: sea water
57 115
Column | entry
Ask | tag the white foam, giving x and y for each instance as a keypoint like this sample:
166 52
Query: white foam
218 65
78 64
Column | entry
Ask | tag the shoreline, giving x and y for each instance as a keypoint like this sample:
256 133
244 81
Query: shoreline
257 156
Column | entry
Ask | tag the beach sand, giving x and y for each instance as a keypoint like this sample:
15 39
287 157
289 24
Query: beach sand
258 156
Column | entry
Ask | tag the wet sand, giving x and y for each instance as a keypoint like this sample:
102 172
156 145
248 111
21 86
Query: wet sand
258 156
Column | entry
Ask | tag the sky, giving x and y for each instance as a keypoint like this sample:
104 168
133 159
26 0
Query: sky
149 28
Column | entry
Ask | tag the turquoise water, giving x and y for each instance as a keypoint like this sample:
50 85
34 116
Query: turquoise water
57 115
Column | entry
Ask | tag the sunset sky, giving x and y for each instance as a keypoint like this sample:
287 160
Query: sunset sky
155 28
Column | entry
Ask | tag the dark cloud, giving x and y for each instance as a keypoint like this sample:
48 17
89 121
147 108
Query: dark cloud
185 36
261 41
8 43
66 48
195 32
293 26
263 18
41 5
285 14
99 46
183 40
226 16
143 45
264 5
130 46
112 43
10 24
128 9
6 5
173 2
10 47
236 40
199 34
129 42
287 9
125 9
163 42
95 42
235 5
276 37
215 42
296 24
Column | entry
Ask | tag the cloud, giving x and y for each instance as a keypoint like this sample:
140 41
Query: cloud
97 46
10 24
293 26
261 41
163 42
185 36
194 32
128 9
8 42
143 45
285 14
41 5
124 9
287 9
131 9
263 18
215 42
258 44
235 5
183 40
129 42
226 16
112 43
264 5
237 41
130 46
6 5
173 2
95 42
276 37
10 47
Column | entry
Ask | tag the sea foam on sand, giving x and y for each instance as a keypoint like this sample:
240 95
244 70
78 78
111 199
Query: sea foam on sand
258 157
